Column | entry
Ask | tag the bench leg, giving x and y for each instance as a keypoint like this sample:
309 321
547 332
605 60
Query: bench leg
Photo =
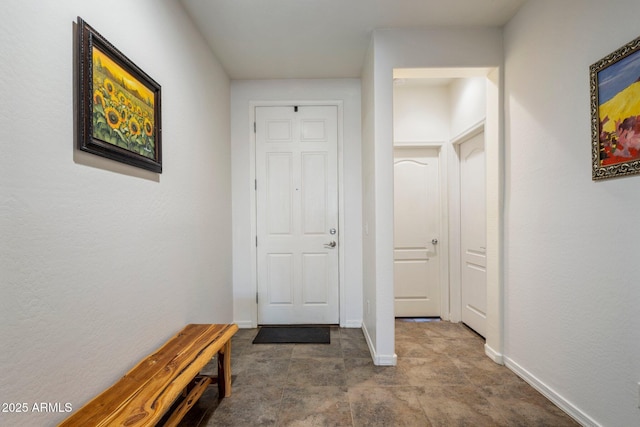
224 371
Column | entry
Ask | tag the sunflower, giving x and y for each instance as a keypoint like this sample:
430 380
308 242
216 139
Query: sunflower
148 127
121 98
134 126
109 86
124 114
98 98
113 118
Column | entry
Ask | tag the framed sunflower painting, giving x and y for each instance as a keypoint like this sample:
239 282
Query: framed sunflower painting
615 113
119 104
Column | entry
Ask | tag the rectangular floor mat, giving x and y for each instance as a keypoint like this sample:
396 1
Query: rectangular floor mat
293 335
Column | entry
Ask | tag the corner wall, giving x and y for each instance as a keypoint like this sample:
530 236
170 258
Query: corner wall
572 296
411 48
102 262
369 318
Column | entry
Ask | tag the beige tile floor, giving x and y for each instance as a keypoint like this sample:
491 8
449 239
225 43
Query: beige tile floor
442 378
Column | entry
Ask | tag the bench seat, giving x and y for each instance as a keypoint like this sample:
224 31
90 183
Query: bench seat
146 393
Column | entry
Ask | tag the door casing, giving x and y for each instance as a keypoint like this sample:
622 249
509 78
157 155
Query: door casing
341 221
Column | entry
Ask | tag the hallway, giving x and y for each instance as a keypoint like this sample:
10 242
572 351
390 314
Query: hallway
443 378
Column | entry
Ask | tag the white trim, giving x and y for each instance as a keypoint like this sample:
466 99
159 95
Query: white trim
443 237
353 324
418 144
568 407
445 242
244 324
378 359
469 133
494 355
453 191
339 104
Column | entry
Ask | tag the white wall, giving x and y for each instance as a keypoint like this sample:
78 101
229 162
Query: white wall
100 262
411 48
572 293
420 112
437 112
243 93
468 100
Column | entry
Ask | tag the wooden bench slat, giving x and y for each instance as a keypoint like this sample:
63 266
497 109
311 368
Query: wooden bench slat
188 402
148 390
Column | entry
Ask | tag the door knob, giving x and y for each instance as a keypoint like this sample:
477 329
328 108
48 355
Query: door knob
330 245
434 241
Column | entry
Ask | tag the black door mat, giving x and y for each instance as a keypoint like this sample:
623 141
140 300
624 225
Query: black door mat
293 335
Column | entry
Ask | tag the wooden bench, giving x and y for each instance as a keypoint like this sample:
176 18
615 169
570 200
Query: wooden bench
146 393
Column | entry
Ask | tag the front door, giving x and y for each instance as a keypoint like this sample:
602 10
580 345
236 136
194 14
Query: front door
473 234
297 214
416 232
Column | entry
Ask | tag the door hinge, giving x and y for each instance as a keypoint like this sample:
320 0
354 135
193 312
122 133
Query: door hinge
254 127
256 241
256 297
255 184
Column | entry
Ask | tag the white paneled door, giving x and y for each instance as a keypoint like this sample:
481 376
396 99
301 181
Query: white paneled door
297 214
416 232
473 234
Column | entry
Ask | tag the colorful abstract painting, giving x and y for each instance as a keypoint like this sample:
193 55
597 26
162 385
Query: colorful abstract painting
615 90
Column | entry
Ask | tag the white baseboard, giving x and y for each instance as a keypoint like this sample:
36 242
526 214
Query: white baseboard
568 407
248 324
245 324
378 359
494 355
352 324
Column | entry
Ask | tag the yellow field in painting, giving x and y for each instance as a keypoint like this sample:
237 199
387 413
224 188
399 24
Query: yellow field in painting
625 104
123 112
122 76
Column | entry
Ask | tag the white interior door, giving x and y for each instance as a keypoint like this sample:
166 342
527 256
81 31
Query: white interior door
416 232
473 234
297 215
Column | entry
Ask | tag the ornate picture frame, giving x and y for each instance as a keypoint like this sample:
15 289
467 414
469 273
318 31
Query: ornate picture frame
118 104
615 113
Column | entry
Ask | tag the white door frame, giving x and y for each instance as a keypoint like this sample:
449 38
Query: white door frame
254 210
443 242
456 221
495 169
494 182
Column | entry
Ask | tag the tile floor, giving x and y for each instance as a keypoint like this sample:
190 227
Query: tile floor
442 378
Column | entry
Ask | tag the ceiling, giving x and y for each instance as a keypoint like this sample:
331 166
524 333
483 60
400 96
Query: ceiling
279 39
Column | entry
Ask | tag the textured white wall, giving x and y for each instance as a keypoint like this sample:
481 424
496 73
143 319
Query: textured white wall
572 292
243 92
101 262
